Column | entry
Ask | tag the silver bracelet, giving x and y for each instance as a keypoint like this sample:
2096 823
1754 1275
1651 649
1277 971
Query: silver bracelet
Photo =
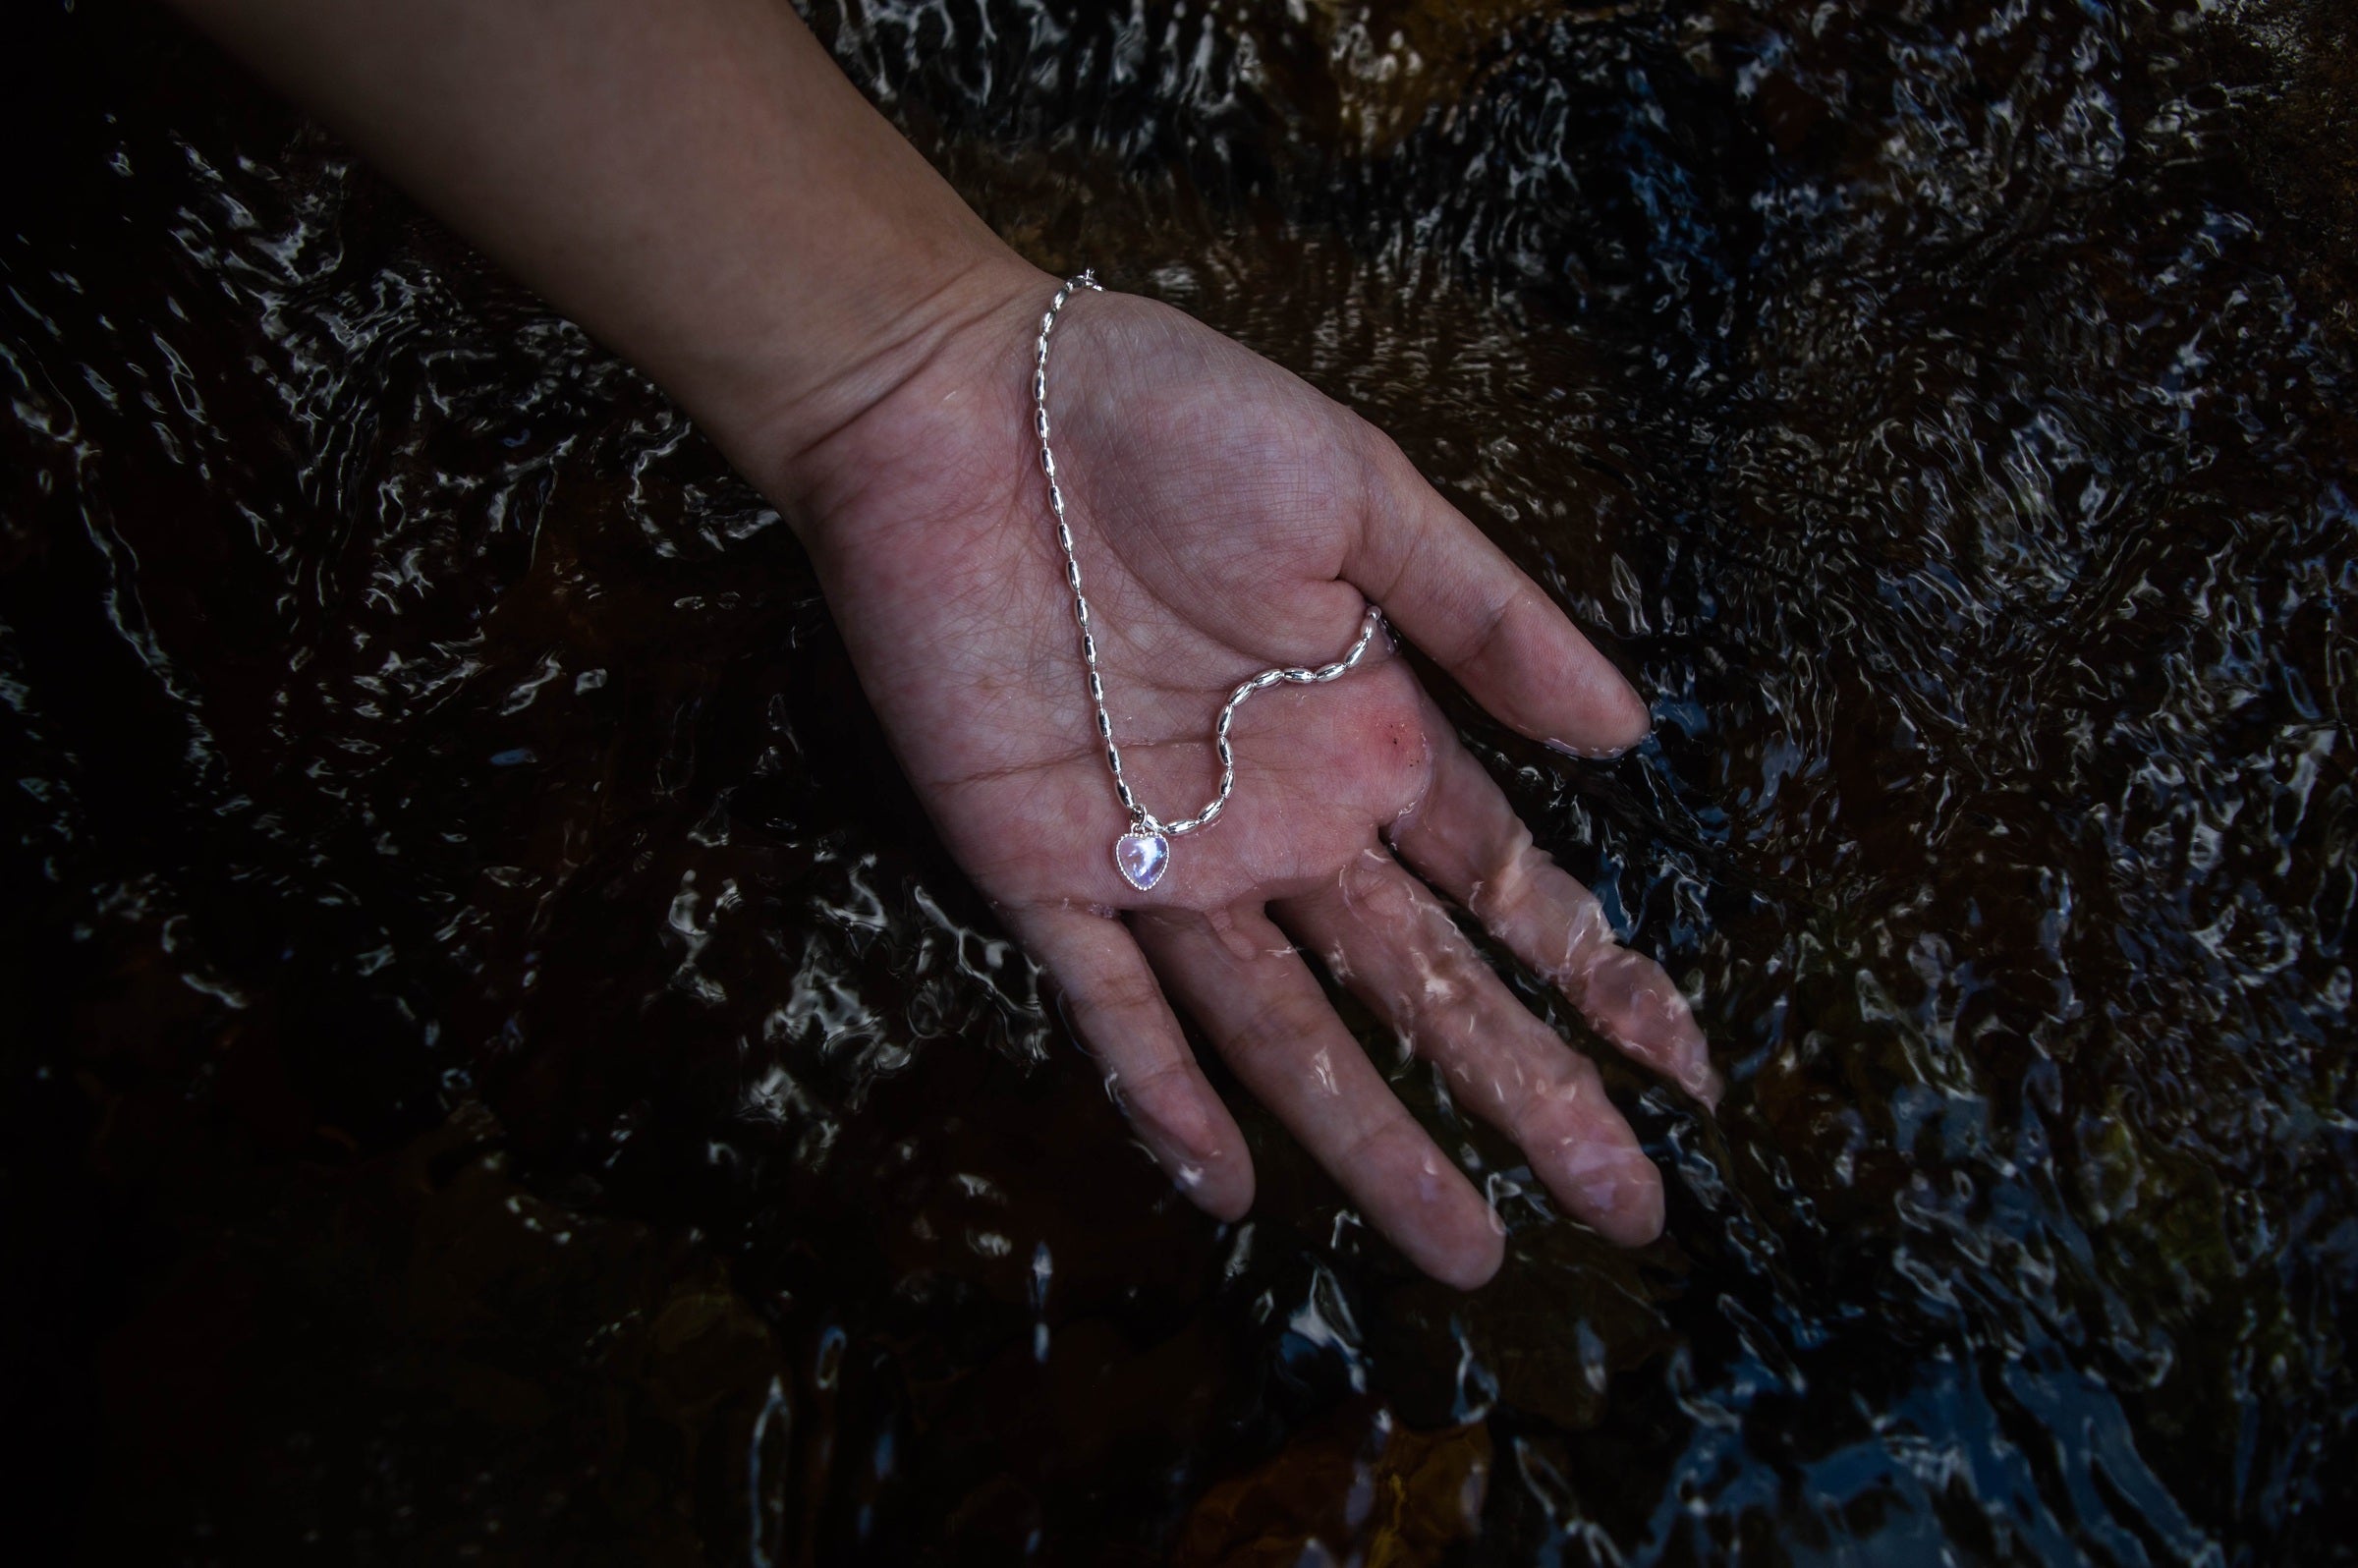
1144 852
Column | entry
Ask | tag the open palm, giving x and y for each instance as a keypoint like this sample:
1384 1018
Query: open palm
1228 519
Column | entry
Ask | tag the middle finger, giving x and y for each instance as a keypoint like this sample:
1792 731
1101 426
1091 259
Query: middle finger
1241 980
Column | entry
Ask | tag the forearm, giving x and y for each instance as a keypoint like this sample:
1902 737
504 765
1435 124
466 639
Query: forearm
695 181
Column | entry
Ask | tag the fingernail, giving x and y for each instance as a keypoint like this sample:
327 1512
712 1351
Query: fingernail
1600 1175
1190 1138
1175 1125
1218 1186
1621 1192
1703 1081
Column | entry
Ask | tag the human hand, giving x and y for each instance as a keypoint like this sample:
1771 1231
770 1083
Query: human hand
699 186
1228 519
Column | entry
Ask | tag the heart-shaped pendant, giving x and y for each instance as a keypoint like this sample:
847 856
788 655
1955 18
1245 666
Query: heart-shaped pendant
1141 858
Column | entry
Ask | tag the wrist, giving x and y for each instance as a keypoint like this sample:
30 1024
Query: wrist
792 428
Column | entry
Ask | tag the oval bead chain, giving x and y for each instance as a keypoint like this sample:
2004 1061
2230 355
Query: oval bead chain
1143 854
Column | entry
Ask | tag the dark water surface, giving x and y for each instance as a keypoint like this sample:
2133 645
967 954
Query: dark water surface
499 1067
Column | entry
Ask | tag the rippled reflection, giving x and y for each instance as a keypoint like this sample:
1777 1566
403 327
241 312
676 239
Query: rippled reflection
505 1067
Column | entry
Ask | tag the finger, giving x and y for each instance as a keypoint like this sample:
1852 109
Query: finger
1457 597
1394 945
1465 839
1266 1015
1118 1011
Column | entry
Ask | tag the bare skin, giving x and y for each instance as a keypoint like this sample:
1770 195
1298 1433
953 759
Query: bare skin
860 346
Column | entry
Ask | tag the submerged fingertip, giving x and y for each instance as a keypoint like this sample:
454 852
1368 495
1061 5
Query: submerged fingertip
1221 1187
1689 1066
1616 1190
1636 1215
1639 730
1473 1266
1449 1230
1232 1203
1646 1213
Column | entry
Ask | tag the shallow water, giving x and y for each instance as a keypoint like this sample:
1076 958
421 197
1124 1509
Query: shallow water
500 1065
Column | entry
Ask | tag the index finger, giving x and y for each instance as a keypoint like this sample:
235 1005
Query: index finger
1456 595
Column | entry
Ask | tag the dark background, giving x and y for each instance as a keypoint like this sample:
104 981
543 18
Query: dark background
497 1065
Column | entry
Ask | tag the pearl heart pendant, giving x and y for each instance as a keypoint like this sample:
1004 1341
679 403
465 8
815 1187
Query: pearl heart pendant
1141 858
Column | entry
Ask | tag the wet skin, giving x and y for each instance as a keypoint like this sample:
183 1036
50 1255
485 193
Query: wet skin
704 191
1228 518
